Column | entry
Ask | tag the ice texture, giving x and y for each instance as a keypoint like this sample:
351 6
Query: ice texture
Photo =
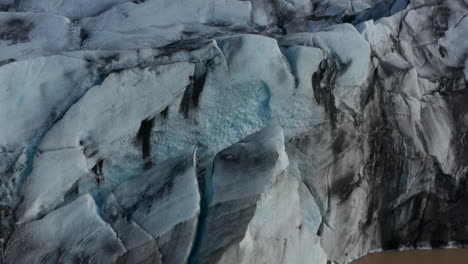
225 131
73 233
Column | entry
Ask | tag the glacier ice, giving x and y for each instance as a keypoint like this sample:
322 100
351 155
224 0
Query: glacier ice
253 164
72 147
163 203
323 130
73 233
27 35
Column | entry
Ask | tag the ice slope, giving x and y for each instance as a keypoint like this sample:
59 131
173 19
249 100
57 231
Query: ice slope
284 235
163 203
36 92
73 233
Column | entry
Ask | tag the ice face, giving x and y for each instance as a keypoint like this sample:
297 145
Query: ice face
164 204
71 148
323 129
74 232
241 173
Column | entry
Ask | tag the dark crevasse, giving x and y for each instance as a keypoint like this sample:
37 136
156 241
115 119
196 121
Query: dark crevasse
206 192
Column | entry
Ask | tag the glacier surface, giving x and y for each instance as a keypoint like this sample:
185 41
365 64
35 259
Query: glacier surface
231 131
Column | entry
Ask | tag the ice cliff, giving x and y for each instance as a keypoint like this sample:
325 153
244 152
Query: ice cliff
231 131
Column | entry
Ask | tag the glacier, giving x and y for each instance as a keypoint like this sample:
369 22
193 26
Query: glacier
231 131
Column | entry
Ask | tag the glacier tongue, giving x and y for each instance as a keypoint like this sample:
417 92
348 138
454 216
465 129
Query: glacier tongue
323 129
